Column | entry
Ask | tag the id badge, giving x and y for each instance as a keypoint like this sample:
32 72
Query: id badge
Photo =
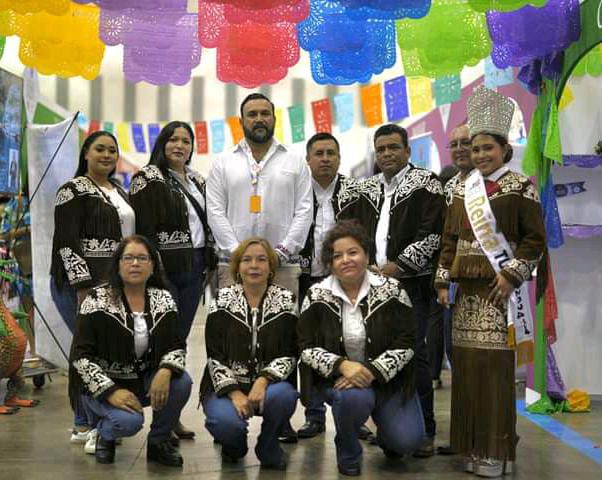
255 204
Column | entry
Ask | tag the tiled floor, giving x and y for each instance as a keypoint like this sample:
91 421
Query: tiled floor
34 445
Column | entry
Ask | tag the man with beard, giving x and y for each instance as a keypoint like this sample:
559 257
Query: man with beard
260 188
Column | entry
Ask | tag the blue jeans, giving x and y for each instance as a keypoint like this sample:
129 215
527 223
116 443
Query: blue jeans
113 423
224 424
65 301
187 291
400 427
316 410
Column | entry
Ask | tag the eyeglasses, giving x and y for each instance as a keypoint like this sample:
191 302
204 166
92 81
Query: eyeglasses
129 259
464 143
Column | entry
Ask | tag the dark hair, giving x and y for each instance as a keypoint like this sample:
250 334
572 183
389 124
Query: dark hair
390 129
254 96
447 173
501 141
342 229
157 157
321 136
82 166
157 278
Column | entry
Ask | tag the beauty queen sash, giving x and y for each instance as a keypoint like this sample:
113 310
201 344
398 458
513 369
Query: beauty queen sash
499 253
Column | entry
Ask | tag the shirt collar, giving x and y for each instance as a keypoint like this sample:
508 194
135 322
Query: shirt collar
499 173
396 179
243 145
328 191
332 284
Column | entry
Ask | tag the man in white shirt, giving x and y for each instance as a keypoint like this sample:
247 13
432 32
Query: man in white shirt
260 188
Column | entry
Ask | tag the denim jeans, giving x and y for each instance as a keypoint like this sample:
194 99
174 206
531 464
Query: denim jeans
113 423
224 424
187 291
400 427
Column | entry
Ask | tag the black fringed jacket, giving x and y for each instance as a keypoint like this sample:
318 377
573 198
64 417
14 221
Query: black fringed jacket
390 337
238 352
87 231
417 215
103 356
162 217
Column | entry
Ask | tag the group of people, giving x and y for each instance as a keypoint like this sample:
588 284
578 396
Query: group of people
319 275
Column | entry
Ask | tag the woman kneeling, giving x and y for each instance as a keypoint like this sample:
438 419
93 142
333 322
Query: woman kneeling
357 334
251 352
126 355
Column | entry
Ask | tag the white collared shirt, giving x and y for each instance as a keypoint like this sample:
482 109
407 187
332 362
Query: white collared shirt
382 228
499 173
197 232
354 329
284 185
127 216
325 220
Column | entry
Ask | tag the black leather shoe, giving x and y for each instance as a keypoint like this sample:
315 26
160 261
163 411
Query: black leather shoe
354 470
427 449
105 450
174 439
310 429
365 433
164 453
281 465
287 434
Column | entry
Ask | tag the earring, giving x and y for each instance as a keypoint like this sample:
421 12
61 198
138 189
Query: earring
238 278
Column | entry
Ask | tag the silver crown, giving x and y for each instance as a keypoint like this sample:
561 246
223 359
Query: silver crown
489 112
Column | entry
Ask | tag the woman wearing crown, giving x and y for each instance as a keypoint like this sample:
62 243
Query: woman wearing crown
493 239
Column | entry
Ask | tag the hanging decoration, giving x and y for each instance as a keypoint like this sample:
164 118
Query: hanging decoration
65 45
344 111
202 140
296 117
497 77
322 115
371 104
345 50
396 99
449 38
503 5
22 7
447 89
256 41
530 33
421 95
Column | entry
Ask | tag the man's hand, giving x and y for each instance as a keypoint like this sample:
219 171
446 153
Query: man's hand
257 394
241 404
390 270
443 297
356 374
125 400
500 291
159 389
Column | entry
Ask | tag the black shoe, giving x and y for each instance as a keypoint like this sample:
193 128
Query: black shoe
174 439
164 453
365 433
281 465
105 450
287 434
310 429
228 458
391 455
427 449
445 450
351 471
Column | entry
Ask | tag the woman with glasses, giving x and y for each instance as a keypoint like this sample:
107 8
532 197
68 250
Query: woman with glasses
127 355
251 352
91 216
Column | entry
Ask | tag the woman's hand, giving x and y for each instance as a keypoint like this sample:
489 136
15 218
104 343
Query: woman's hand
159 389
241 404
501 290
356 374
125 400
443 297
257 394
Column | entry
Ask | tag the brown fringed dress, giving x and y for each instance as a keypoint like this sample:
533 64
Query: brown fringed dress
483 413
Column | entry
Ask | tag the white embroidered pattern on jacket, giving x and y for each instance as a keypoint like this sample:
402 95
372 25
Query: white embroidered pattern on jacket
232 301
449 187
63 196
277 300
442 275
391 362
75 266
161 302
175 359
531 193
177 239
317 294
93 377
93 247
417 255
221 375
280 368
85 186
389 288
349 192
520 269
138 184
103 300
415 179
320 359
241 371
370 189
116 370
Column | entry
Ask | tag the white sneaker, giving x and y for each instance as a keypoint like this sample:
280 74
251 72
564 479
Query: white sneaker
79 437
489 467
90 446
469 463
